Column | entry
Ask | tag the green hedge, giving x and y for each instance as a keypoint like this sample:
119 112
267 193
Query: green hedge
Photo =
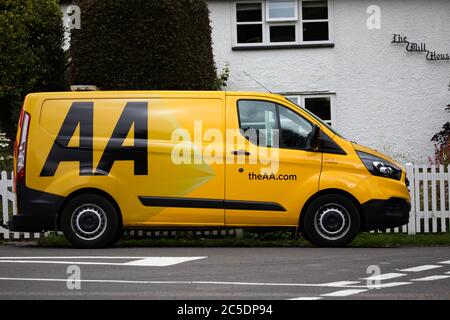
143 44
31 54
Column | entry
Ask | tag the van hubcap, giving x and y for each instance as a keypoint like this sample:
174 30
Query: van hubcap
89 222
332 221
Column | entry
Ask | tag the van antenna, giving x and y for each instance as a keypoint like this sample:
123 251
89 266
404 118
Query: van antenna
257 81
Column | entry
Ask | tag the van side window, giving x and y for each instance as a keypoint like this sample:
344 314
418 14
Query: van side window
294 129
257 120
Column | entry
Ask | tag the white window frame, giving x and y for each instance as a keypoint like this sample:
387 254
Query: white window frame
266 25
293 19
315 21
300 98
236 23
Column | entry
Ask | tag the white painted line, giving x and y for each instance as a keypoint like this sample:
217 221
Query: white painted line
306 298
161 261
445 262
344 293
385 276
340 283
62 262
228 283
146 261
421 268
431 278
73 257
391 284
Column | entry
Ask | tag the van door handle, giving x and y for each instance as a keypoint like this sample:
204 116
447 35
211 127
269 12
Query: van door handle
241 152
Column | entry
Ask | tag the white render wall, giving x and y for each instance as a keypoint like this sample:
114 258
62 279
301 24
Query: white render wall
386 98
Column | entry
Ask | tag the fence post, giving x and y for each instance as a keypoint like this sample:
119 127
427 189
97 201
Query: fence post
4 195
433 199
442 198
412 212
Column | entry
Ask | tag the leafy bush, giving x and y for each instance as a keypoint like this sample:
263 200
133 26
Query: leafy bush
143 44
5 156
31 54
442 144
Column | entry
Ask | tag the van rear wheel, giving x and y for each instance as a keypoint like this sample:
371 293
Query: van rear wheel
90 221
331 221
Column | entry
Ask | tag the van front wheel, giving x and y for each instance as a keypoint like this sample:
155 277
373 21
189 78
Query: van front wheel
331 220
90 221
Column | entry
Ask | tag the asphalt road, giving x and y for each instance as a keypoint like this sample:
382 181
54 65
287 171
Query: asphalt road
224 273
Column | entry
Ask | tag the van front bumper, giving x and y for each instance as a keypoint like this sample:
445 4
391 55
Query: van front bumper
382 214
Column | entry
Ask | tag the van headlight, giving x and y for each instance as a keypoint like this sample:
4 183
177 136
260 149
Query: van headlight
380 167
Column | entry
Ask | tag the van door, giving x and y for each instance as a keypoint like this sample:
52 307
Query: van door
268 179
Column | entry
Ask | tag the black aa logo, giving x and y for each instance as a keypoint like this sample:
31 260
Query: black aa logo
82 114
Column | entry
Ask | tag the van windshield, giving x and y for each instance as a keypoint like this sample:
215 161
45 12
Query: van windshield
317 118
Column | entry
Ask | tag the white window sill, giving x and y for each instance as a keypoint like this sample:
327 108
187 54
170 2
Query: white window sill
281 46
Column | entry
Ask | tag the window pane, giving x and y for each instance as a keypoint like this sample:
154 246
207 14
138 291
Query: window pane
293 99
315 31
280 9
249 33
294 129
257 120
312 10
282 33
321 107
248 12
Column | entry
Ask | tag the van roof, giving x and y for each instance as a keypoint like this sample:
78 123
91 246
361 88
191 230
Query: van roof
146 94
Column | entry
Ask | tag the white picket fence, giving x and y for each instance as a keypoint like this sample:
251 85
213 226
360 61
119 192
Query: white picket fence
429 189
430 198
8 203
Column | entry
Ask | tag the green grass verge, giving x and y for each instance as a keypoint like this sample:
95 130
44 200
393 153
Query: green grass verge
363 240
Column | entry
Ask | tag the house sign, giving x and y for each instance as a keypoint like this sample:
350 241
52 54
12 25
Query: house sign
420 47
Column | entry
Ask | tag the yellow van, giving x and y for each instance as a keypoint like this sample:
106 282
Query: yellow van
94 163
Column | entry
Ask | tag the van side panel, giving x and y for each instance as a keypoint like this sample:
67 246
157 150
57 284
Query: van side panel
112 167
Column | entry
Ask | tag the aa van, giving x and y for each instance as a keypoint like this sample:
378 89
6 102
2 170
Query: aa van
93 163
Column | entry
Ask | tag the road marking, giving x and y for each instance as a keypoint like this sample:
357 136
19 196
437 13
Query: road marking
431 278
344 293
421 268
75 257
230 283
389 285
161 261
340 283
445 262
385 276
142 261
306 298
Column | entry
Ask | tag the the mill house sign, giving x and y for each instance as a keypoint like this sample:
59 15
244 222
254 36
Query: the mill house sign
420 47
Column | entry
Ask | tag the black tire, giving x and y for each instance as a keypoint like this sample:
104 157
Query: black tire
90 221
331 220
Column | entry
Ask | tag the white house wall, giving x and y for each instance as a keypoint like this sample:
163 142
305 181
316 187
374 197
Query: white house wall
386 97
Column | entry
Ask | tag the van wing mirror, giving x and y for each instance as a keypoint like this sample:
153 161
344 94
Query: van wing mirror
318 141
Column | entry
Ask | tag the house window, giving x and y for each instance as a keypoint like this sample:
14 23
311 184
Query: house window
320 105
315 21
281 22
249 22
282 33
281 10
